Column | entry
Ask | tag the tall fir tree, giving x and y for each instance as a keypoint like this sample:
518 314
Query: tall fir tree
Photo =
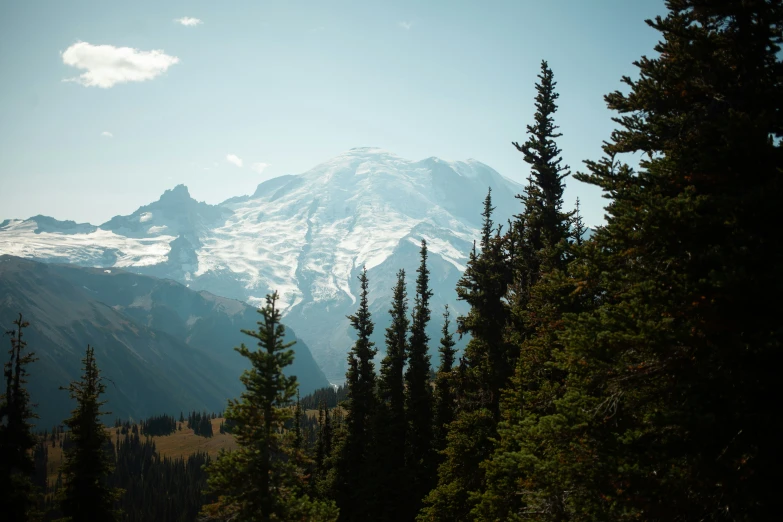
391 421
546 223
420 457
444 396
87 464
355 486
18 495
546 294
482 373
664 408
260 480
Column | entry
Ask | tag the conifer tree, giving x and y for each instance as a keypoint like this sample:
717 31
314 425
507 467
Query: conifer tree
18 496
578 228
444 397
323 449
297 442
483 286
87 466
391 422
547 224
536 311
664 407
259 481
483 372
355 484
488 226
420 457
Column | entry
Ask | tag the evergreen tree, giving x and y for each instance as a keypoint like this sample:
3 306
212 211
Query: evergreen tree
323 450
444 397
578 228
420 457
87 466
488 226
483 372
536 311
391 423
484 285
259 481
546 224
355 484
18 496
664 409
298 441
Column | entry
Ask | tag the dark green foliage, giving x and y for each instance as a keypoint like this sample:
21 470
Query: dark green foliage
159 425
542 293
444 395
484 369
578 228
420 457
18 495
200 423
684 347
158 488
355 479
545 225
390 422
488 357
656 388
458 475
298 441
260 480
87 465
323 451
330 397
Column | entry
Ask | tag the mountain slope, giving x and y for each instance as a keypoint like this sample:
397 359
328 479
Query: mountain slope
165 348
305 235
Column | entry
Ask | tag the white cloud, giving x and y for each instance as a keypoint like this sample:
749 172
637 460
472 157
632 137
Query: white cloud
232 158
259 167
107 134
189 21
107 65
406 25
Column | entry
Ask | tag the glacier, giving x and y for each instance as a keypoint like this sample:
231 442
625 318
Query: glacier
306 236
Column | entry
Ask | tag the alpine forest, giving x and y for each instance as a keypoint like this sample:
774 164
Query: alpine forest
623 372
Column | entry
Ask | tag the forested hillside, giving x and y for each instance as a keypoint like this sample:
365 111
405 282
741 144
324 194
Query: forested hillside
164 347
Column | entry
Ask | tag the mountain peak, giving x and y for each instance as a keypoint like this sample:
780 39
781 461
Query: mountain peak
367 151
178 193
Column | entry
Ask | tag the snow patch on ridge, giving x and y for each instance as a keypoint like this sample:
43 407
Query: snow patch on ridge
305 236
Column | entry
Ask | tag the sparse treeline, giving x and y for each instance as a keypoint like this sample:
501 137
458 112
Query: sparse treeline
201 423
623 377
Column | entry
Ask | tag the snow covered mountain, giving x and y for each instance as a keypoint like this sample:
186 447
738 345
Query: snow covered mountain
305 235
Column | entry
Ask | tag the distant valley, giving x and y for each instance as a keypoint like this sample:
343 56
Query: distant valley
162 347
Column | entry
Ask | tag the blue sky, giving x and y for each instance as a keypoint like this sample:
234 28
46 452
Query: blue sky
285 85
